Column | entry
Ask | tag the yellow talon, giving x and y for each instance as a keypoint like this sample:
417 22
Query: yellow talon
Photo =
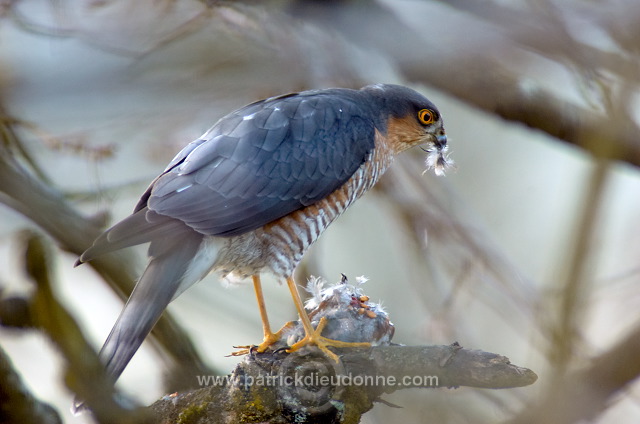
269 340
315 338
312 336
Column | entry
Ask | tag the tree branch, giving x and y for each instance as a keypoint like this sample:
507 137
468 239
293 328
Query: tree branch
308 386
17 405
46 207
487 84
303 386
582 395
492 88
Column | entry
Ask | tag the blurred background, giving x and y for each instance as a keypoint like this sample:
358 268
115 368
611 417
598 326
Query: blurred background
530 248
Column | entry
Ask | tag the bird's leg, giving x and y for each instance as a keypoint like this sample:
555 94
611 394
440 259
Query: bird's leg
314 336
269 337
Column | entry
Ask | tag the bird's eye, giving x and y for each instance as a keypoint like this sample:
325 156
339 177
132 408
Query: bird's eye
426 116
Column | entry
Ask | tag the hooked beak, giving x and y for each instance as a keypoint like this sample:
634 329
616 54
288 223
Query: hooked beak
436 143
441 141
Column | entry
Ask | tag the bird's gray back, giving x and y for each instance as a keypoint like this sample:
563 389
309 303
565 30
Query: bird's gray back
265 161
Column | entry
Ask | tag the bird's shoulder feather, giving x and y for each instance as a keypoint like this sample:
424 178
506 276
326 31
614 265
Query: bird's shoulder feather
264 161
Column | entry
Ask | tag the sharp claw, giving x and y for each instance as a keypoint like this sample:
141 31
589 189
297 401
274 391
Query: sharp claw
252 351
313 337
323 343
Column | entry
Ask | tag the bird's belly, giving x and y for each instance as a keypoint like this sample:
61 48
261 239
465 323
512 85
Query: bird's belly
279 246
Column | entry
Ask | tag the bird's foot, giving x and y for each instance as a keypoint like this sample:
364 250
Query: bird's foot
269 340
315 337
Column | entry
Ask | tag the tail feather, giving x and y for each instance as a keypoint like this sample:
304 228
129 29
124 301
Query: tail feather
159 284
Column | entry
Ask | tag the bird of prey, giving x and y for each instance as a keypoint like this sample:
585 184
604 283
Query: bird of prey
255 191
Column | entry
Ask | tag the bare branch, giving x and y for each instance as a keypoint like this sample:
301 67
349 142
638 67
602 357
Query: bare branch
479 77
84 374
584 394
51 211
492 88
310 388
17 405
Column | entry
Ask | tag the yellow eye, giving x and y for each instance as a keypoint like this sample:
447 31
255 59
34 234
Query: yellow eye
426 117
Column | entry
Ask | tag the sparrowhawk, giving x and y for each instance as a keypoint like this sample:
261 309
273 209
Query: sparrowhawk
256 190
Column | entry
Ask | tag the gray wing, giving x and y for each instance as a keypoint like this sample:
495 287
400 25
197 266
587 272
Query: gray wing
263 162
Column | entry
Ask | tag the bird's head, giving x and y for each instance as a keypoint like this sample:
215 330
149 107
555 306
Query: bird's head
410 119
